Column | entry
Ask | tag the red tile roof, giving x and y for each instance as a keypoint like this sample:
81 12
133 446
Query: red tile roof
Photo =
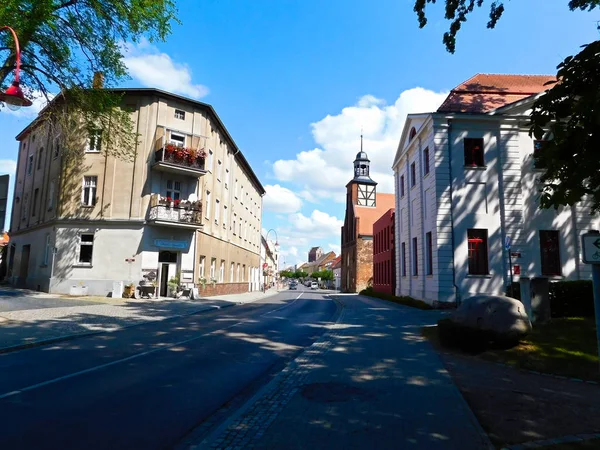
368 215
485 92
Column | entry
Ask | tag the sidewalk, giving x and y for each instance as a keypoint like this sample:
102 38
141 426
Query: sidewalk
370 382
31 327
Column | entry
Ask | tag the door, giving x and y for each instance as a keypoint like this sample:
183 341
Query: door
164 280
24 265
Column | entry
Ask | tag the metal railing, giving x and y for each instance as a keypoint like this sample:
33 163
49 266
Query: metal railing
180 158
187 214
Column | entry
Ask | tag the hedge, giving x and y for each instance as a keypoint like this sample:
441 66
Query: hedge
404 300
567 298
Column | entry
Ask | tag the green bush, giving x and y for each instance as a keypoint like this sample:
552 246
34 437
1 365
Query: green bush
404 300
572 299
567 298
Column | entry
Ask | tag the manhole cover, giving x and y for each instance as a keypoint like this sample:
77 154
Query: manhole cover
333 392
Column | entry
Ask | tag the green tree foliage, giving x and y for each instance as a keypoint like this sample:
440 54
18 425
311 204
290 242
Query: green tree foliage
567 115
324 275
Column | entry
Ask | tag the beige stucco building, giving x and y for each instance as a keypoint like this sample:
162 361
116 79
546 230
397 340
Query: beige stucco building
166 212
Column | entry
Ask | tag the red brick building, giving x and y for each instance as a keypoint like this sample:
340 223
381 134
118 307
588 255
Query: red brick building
384 269
363 207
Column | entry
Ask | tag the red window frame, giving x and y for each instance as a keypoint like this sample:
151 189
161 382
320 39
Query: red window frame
477 240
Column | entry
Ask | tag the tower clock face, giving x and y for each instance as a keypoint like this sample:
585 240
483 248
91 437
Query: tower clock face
366 195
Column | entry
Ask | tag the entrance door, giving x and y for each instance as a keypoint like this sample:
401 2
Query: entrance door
164 280
24 265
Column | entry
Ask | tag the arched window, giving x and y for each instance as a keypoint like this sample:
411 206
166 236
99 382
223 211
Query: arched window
412 134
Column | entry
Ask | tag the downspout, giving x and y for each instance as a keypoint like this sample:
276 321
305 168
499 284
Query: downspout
456 290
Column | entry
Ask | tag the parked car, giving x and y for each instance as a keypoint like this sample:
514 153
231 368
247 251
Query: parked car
314 285
293 286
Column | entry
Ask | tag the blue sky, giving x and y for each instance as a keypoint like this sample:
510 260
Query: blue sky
294 81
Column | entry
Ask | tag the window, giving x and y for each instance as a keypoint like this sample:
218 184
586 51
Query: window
478 251
426 161
51 194
402 186
245 230
231 273
30 165
213 263
179 114
47 250
201 266
236 189
238 272
242 194
177 139
473 152
429 245
538 148
88 195
210 160
36 194
224 216
217 211
226 178
415 257
86 247
219 169
412 134
40 158
413 175
240 230
173 189
208 205
550 253
222 271
233 227
94 141
244 272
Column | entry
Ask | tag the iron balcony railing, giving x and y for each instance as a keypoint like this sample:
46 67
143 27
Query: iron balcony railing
175 212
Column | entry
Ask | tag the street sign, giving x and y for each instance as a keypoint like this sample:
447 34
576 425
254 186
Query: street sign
507 242
265 265
590 243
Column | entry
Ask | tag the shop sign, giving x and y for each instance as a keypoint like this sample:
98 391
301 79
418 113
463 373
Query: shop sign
167 243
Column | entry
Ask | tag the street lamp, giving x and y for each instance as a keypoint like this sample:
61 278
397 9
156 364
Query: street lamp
276 245
13 96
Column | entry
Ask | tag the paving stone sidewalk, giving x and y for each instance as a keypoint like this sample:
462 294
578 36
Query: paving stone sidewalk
370 382
30 326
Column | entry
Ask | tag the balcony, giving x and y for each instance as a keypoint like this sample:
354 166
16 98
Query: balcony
180 160
166 213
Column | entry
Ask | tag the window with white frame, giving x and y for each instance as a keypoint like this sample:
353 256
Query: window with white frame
213 263
173 190
94 141
219 169
176 139
244 272
210 161
231 273
224 216
222 271
217 211
201 266
207 213
86 248
47 250
179 114
88 194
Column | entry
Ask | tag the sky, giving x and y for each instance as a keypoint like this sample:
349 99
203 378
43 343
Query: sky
294 81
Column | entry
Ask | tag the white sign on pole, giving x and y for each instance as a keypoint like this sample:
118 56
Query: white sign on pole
590 243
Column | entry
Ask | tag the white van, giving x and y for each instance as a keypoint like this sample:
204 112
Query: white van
314 285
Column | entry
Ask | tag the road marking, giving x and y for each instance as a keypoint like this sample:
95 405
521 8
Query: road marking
112 363
284 306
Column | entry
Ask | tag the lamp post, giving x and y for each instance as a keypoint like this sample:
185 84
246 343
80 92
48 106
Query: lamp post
276 245
13 96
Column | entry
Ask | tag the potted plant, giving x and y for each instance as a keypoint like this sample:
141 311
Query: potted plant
173 284
202 282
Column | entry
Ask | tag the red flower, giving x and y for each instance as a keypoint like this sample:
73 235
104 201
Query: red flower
177 202
169 199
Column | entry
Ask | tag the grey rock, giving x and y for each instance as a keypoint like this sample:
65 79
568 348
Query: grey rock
505 317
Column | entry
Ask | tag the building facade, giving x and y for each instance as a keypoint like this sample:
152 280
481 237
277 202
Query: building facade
384 262
314 254
466 186
363 207
269 262
187 206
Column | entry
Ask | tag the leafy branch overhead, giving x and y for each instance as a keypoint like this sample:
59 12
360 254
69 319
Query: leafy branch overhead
566 115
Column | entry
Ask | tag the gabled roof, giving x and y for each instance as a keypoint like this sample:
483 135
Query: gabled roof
486 92
337 262
368 215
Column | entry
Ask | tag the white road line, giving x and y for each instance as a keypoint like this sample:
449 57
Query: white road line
112 363
284 306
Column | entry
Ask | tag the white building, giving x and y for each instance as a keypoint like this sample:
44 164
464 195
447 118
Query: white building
269 261
465 182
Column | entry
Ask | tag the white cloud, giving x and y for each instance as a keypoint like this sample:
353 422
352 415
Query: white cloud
323 172
336 248
319 225
156 69
281 200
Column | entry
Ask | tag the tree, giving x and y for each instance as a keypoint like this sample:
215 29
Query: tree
567 114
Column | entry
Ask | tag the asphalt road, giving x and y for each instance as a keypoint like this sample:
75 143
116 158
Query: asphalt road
148 387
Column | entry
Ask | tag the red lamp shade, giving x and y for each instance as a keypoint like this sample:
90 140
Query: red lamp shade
14 97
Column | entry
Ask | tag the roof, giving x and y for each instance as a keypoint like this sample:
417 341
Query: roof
314 249
384 220
152 91
368 215
337 262
486 92
319 261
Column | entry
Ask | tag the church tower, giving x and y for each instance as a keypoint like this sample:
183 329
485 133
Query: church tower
362 189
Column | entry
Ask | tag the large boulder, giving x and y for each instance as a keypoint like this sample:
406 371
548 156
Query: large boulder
499 317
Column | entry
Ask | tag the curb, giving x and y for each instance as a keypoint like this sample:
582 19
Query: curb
561 440
70 337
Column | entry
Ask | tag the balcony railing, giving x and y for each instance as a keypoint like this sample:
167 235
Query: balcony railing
174 158
174 213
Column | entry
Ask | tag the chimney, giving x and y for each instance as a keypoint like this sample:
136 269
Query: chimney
98 82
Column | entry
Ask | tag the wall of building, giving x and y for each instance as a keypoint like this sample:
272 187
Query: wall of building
364 263
383 254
